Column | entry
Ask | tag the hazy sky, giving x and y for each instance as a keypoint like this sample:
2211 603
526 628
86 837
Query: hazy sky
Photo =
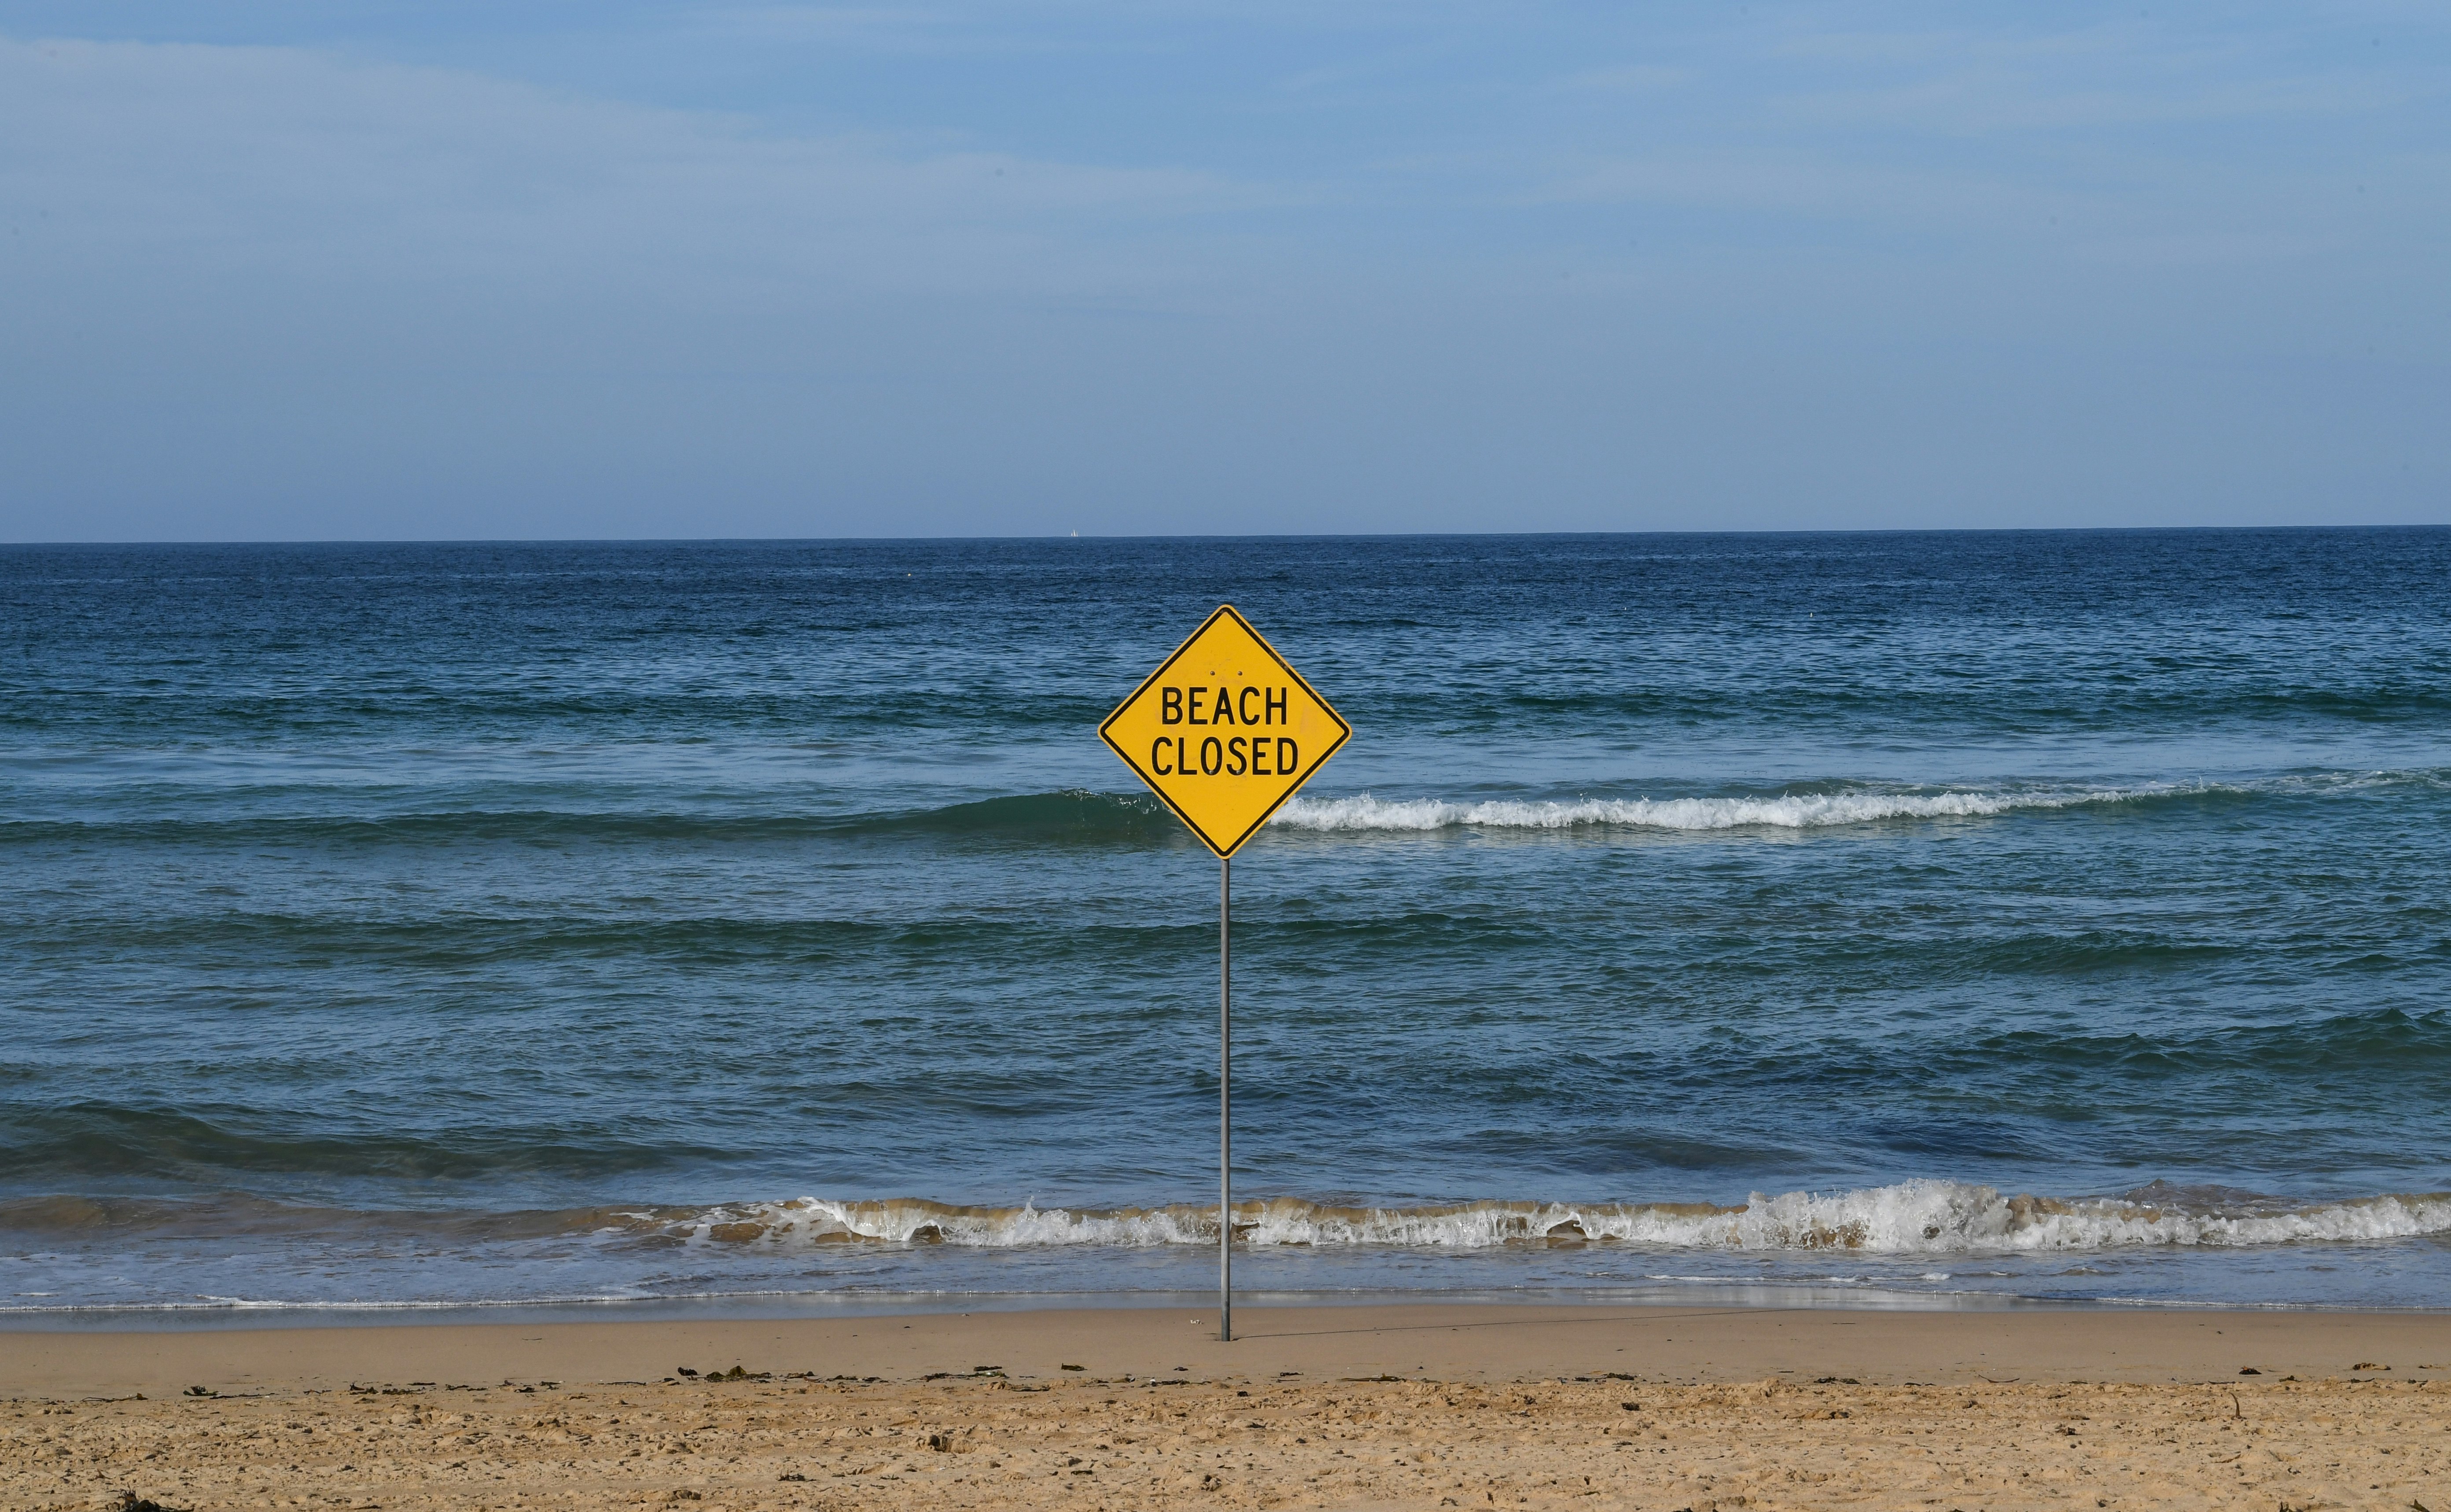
329 271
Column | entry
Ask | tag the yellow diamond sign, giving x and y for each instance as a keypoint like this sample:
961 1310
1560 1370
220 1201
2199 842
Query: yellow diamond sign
1225 731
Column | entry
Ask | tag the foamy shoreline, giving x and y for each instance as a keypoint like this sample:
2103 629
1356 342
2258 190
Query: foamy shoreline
1941 1243
1924 1217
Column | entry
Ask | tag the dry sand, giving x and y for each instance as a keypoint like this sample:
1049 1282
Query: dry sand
1487 1406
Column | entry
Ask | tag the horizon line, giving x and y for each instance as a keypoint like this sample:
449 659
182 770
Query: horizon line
1190 536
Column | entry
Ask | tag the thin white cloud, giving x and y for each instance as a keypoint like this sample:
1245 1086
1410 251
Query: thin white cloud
281 158
2098 75
1816 185
1628 78
1976 102
2207 248
912 30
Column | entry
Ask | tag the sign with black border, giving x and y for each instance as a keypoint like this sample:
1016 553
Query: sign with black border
1225 731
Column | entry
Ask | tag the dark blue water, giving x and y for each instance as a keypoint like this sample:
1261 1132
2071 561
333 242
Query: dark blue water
2062 915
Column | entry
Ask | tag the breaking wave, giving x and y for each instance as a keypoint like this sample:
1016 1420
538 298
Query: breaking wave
1917 1217
1798 811
1791 809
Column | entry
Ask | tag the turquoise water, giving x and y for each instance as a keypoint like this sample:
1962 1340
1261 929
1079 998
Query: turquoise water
2056 914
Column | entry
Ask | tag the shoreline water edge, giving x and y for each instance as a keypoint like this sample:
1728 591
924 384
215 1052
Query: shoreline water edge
1879 1247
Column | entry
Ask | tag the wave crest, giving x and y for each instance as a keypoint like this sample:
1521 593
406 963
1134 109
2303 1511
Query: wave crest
1915 1217
1794 811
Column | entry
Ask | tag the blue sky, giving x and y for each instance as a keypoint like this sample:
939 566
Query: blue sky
454 270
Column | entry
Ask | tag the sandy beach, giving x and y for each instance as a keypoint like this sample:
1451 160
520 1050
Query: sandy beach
1395 1406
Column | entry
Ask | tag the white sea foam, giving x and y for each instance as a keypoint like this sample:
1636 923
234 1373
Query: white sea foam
1797 812
1917 1217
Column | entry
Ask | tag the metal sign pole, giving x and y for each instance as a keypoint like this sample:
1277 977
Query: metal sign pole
1225 1099
1224 788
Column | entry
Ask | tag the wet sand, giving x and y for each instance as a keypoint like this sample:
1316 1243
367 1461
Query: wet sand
1395 1406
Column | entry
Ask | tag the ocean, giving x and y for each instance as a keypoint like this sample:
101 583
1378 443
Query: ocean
1863 919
